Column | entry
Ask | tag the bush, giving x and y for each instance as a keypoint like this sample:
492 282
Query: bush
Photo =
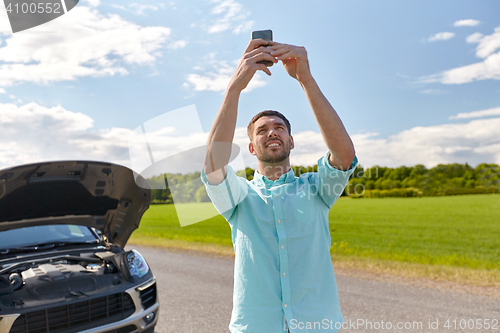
160 202
201 195
476 190
392 193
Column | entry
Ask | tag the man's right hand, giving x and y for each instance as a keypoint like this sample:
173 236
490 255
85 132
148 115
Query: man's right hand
256 51
222 132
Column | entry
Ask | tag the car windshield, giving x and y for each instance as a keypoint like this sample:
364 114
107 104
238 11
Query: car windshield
32 236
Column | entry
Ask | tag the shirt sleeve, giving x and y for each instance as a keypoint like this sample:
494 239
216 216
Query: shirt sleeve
332 181
228 194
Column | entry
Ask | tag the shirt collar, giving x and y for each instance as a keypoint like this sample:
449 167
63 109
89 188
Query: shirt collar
261 180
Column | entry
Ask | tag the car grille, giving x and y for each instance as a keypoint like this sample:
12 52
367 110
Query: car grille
148 296
76 316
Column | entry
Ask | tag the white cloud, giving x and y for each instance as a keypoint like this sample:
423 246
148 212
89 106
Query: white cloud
2 91
234 17
120 7
140 9
478 114
136 8
218 77
466 23
5 27
82 43
433 92
474 38
33 133
489 68
309 147
177 45
488 44
93 3
474 142
441 36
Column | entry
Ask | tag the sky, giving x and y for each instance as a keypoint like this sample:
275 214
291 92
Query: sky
414 82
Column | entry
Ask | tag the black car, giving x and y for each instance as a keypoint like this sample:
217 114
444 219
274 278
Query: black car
63 267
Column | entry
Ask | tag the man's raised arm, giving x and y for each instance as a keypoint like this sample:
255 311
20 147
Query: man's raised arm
221 134
337 140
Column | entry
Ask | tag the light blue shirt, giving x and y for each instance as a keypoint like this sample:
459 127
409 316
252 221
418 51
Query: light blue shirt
283 275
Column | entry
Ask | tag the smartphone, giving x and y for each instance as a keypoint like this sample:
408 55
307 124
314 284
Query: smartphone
265 35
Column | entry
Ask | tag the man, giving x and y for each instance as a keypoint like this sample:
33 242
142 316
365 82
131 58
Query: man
283 279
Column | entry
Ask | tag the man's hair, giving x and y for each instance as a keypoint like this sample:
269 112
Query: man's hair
267 113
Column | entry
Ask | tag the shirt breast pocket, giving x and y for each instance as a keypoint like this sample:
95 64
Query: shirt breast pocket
303 208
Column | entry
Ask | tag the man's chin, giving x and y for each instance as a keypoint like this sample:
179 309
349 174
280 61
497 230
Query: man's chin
273 159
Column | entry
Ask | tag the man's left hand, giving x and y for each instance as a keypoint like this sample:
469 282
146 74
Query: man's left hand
294 59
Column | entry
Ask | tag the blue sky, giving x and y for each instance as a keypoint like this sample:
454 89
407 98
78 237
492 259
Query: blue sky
413 81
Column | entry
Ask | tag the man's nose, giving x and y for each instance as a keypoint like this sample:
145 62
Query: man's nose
272 132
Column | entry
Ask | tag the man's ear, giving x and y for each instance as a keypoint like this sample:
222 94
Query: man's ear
292 144
251 149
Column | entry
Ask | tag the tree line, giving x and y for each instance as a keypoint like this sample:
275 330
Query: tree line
376 181
443 179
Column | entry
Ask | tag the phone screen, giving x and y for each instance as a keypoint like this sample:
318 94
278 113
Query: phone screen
265 35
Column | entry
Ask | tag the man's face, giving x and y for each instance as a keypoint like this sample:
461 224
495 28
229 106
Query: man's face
271 142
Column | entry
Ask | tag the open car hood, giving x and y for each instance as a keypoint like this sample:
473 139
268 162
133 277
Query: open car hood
108 197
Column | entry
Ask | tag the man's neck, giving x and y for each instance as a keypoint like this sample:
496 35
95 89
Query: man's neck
273 171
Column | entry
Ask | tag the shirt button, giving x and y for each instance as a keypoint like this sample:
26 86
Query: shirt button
275 196
284 274
282 247
285 306
279 221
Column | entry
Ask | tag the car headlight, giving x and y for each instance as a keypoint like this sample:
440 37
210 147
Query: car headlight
137 266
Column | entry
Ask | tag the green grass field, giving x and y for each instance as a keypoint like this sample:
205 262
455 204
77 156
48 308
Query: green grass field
461 231
457 231
160 221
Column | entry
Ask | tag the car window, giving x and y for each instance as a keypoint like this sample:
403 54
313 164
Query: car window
44 234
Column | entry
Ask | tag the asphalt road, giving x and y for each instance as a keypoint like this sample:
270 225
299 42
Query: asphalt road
196 296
